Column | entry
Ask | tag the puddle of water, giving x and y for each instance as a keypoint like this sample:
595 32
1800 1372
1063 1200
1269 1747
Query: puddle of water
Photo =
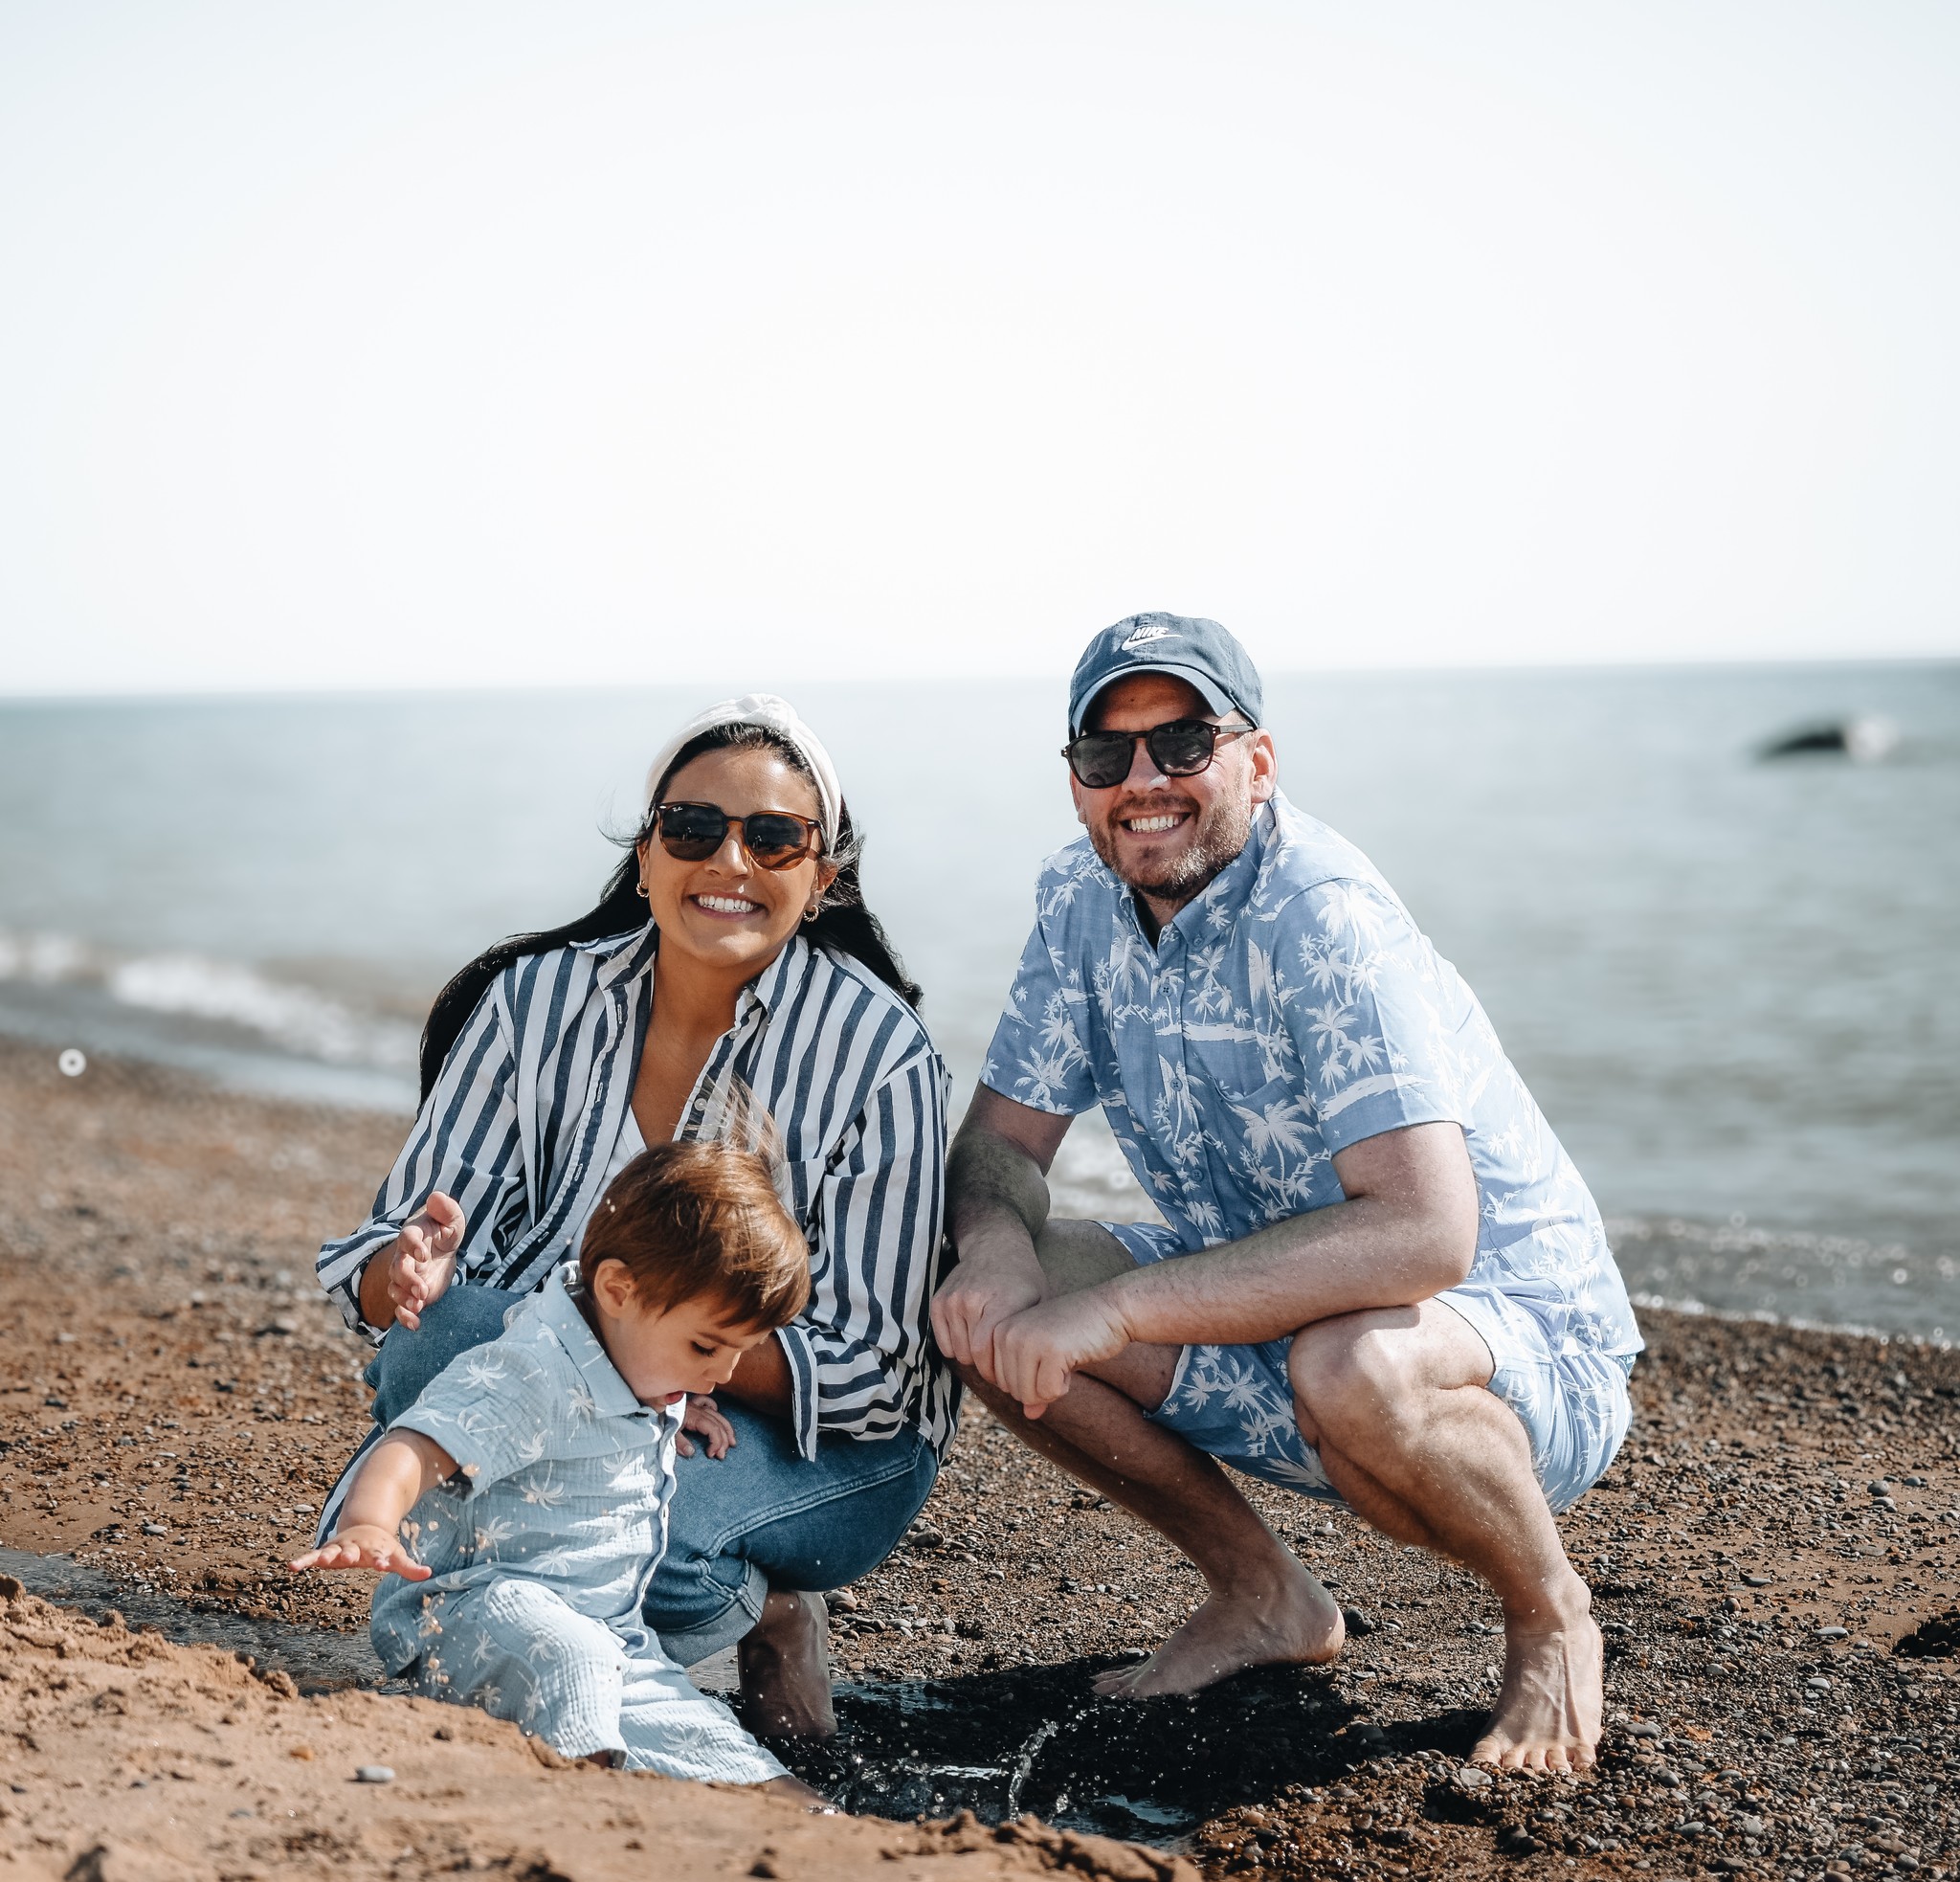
915 1748
1024 1764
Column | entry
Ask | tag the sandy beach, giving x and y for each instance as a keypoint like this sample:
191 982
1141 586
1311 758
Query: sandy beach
175 1400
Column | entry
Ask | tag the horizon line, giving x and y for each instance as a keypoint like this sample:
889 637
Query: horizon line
351 691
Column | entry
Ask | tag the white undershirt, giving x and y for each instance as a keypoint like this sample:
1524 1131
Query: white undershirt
630 1145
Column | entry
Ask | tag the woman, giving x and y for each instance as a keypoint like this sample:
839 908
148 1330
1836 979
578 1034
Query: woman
731 953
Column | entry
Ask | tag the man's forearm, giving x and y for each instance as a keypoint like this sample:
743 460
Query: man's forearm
1364 1253
996 1197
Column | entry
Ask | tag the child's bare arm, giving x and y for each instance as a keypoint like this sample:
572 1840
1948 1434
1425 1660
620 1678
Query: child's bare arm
399 1472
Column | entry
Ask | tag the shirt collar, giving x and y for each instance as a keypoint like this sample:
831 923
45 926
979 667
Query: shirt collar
621 956
782 975
612 1395
1238 882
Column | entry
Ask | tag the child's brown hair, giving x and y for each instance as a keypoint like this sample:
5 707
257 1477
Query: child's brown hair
689 1218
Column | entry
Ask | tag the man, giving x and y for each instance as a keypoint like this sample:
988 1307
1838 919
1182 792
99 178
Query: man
1382 1280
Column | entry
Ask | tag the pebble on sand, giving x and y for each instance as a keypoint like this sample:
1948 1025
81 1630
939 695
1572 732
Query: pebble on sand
374 1774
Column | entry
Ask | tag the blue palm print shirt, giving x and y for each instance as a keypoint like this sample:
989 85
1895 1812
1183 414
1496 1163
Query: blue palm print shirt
1290 1010
563 1477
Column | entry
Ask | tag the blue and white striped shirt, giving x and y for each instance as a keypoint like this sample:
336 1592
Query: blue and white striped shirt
522 1120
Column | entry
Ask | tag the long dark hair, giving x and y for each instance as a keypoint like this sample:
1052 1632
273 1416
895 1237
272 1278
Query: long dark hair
842 920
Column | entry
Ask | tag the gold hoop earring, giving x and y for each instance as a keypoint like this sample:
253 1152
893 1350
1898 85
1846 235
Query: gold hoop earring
810 913
640 890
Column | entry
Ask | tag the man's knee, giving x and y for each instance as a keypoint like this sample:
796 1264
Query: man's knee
1354 1371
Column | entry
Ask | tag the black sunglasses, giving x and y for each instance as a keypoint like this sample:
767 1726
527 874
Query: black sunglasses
1179 747
775 839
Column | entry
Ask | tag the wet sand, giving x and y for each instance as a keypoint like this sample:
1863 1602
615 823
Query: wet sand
175 1400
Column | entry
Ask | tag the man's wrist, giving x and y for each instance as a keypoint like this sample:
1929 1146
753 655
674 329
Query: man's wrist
1126 1296
999 1249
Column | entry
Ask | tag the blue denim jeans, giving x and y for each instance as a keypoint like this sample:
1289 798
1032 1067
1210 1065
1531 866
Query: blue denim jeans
758 1517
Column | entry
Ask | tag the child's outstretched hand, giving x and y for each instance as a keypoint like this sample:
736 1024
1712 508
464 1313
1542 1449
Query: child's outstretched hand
704 1417
422 1262
363 1545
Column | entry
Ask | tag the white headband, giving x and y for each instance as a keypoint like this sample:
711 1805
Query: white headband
773 714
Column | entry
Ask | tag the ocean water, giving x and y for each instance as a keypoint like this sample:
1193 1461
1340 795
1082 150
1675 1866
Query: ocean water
1731 982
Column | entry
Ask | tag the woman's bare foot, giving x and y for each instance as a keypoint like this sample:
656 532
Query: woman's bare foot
786 1669
1549 1711
1292 1620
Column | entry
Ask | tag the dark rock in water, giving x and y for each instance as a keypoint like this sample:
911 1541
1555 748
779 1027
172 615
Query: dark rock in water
1935 1639
1866 738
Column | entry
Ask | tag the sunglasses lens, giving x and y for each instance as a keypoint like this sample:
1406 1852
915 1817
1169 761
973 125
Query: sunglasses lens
1101 759
776 842
1182 747
692 833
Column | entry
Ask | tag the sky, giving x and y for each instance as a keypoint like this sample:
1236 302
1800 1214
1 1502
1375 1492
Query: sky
487 344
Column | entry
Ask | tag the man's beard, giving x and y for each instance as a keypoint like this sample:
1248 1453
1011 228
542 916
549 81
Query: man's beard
1218 837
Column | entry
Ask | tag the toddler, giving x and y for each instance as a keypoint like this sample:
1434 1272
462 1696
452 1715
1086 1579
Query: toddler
532 1476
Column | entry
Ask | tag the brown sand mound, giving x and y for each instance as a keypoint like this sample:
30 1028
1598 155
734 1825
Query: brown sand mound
123 1759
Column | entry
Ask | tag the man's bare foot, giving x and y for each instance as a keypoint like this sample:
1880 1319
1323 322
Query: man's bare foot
1548 1713
786 1669
1294 1620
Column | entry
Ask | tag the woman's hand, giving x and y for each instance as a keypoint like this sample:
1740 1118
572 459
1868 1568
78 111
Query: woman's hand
417 1267
363 1545
707 1419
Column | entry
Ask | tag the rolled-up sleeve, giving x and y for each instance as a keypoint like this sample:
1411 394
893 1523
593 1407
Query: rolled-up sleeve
466 1143
856 1352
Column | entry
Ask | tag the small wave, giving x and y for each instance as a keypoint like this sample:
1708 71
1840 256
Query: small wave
298 1018
42 958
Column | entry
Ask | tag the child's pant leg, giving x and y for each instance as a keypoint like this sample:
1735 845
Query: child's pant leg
671 1727
519 1652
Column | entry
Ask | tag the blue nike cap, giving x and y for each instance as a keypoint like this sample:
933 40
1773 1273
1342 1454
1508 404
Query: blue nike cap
1198 651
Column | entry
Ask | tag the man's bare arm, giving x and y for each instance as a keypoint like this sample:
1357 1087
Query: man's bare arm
996 1204
997 1172
1407 1231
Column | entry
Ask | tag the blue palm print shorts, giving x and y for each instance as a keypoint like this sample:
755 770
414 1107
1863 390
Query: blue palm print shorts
1236 1403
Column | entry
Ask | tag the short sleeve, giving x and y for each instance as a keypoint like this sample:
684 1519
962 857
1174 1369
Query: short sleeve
1037 1056
1372 1019
492 1408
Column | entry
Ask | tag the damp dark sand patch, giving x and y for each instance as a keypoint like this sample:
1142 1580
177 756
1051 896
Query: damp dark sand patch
1036 1739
